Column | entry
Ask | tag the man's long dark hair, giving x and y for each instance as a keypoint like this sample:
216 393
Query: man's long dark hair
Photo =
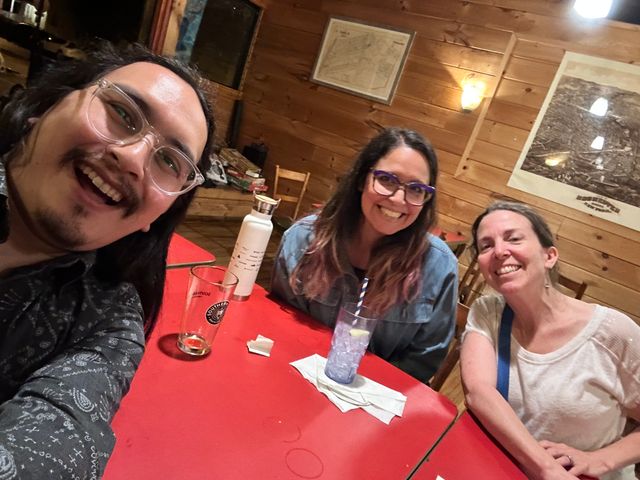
138 258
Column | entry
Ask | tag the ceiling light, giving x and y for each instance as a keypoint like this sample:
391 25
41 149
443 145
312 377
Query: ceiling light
592 8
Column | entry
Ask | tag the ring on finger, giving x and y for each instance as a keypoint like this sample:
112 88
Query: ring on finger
571 462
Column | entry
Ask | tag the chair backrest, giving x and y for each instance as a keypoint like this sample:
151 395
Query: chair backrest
462 312
471 284
449 362
577 288
292 175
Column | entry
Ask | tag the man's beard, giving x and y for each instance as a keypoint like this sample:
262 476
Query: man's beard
65 231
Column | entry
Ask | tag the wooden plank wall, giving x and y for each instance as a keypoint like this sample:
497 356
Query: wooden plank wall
222 100
319 129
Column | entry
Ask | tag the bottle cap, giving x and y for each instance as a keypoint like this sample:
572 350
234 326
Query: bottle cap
264 204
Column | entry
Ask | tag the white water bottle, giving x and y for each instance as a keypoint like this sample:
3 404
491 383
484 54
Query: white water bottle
251 245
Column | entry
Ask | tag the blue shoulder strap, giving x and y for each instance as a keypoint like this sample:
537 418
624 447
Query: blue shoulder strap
504 351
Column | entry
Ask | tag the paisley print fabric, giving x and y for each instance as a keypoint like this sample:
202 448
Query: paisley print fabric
69 346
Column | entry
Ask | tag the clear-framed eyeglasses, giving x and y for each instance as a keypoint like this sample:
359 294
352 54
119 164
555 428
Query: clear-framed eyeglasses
117 119
415 193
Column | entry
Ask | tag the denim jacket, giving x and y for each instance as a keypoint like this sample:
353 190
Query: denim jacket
414 336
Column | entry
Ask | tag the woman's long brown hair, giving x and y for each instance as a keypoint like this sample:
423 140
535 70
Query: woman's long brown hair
395 268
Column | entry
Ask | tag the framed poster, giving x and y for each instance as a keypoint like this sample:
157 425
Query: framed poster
584 148
360 58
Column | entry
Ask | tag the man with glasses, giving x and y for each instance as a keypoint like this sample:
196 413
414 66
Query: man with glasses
99 163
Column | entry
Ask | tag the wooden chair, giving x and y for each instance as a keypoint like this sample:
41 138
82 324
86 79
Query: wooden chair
471 284
449 362
288 197
577 288
459 249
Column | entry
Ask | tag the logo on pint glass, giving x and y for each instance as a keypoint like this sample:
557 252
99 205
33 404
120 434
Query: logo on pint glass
215 312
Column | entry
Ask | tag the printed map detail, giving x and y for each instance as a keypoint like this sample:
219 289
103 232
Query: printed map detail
362 58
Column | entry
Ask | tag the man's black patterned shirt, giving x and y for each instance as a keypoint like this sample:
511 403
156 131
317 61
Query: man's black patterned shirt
69 346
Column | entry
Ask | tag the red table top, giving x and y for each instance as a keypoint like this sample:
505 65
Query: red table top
234 414
466 451
182 250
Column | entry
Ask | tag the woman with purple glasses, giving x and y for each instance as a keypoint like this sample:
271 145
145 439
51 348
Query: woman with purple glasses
376 225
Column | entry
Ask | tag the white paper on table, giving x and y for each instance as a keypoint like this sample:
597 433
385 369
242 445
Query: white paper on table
261 345
382 402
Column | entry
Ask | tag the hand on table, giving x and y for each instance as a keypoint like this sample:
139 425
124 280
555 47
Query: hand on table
552 472
577 462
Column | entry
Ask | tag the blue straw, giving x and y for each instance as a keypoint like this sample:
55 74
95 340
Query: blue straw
363 291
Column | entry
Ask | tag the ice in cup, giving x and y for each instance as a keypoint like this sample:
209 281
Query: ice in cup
351 337
210 289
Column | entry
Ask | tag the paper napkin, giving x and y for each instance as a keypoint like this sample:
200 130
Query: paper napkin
261 345
376 399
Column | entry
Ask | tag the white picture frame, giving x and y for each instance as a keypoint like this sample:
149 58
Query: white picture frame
584 152
360 58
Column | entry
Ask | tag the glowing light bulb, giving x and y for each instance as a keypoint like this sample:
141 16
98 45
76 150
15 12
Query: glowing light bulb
592 8
472 92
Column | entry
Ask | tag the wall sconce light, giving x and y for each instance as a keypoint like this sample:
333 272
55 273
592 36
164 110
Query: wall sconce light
472 92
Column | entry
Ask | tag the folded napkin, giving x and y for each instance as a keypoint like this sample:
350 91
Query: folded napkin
374 398
261 345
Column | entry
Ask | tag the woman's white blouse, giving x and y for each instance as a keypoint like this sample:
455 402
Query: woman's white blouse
577 394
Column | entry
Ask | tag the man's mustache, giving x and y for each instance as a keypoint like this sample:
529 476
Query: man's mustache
130 199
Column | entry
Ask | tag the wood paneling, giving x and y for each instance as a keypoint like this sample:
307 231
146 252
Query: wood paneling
311 127
222 100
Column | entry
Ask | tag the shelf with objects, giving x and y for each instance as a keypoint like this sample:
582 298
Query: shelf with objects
230 184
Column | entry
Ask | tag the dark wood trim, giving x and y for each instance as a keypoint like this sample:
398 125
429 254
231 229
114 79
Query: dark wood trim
159 26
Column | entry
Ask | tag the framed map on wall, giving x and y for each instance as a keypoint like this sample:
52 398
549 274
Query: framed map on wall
584 148
360 58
